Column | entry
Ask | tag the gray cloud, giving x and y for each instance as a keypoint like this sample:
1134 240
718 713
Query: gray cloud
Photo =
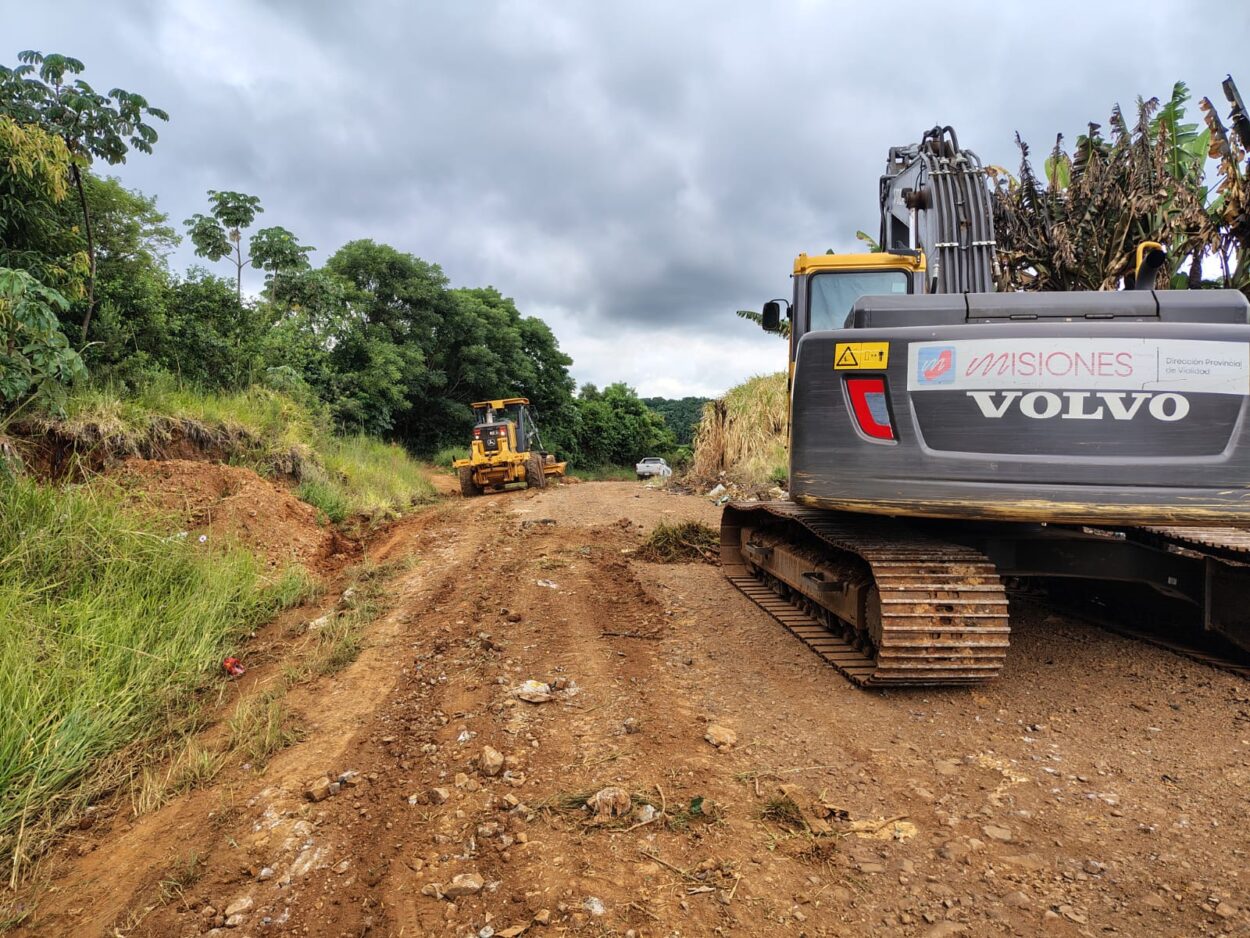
634 171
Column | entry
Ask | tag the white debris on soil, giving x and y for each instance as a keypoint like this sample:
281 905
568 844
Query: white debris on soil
533 691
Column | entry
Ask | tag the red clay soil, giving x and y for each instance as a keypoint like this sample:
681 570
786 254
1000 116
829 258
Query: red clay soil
232 504
1097 788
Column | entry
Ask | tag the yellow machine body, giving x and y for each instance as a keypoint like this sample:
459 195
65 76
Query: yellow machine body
501 451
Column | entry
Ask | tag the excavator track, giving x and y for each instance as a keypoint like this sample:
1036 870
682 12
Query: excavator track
1227 543
885 606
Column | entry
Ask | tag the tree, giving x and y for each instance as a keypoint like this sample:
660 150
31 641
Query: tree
616 428
1230 208
404 309
277 251
213 340
220 235
36 361
681 415
34 184
133 283
92 125
1078 229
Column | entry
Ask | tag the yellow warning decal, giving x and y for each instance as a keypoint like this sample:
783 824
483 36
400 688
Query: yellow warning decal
861 356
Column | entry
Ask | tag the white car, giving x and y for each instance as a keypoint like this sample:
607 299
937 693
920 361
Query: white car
653 467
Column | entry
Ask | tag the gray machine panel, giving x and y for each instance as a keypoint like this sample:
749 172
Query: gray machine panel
1088 444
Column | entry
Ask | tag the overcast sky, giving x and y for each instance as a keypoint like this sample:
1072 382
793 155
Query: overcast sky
632 172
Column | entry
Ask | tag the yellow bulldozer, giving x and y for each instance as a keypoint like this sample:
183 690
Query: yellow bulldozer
505 449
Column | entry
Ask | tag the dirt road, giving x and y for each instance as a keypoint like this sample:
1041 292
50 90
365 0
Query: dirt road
1099 787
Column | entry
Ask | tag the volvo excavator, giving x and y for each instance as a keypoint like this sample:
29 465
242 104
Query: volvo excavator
944 436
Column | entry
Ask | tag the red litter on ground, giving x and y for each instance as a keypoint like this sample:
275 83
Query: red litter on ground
233 666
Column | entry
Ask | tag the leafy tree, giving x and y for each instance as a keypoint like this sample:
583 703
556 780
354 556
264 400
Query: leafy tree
1078 229
1230 207
220 234
402 303
34 184
348 362
681 415
92 125
276 251
313 318
133 284
616 428
36 361
213 340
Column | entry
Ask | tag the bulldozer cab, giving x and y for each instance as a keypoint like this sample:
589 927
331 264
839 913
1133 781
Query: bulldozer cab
504 425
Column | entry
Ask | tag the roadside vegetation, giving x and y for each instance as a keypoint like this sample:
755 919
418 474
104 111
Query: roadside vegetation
742 437
347 477
108 626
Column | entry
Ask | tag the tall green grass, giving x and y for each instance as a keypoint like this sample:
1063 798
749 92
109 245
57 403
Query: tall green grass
106 631
375 478
448 455
265 415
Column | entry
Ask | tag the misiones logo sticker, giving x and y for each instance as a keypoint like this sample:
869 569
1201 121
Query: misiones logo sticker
936 365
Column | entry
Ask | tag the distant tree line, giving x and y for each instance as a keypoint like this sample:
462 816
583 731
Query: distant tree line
374 338
681 414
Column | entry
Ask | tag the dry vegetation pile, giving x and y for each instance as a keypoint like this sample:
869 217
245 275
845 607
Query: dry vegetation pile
680 542
743 435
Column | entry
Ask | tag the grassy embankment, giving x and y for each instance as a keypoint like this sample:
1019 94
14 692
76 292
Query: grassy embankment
345 476
107 628
110 627
742 435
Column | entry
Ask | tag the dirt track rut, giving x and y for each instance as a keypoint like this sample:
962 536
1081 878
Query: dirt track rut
1097 788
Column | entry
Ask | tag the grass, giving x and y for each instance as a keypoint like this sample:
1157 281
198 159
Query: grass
326 496
603 473
193 767
261 726
107 631
339 639
374 478
257 425
743 434
185 871
448 455
680 542
783 812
